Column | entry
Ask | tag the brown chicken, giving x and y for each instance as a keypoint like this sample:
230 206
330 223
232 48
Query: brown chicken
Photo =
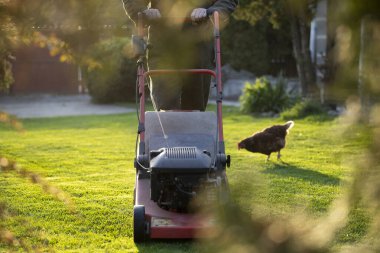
271 139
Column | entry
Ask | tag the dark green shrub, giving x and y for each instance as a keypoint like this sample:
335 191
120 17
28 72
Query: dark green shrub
304 109
264 97
239 50
114 79
259 48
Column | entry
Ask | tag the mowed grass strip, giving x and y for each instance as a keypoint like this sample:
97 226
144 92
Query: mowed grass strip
90 158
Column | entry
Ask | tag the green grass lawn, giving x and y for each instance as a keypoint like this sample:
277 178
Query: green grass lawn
91 160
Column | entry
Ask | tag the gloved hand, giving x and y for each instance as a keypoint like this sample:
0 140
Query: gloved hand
152 14
198 14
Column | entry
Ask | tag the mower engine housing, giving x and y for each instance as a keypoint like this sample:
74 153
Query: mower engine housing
179 175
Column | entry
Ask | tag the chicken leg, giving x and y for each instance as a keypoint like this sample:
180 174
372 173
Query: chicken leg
278 156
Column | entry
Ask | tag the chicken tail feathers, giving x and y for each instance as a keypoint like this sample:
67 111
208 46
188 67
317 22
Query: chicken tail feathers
289 125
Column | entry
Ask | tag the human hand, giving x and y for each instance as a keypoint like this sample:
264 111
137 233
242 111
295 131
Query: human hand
152 14
198 14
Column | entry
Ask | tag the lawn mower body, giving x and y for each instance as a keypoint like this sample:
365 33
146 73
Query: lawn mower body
180 163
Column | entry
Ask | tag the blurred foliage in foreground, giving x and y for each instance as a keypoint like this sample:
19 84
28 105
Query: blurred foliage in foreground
7 236
7 166
240 232
357 53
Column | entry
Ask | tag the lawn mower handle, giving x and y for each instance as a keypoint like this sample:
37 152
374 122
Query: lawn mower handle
142 19
217 74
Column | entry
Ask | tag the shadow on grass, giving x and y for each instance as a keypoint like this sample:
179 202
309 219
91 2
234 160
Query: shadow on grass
288 170
175 245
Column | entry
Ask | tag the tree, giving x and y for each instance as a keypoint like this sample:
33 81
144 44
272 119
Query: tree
296 14
9 36
72 29
258 48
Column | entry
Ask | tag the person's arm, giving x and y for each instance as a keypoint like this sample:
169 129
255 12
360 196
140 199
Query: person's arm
133 7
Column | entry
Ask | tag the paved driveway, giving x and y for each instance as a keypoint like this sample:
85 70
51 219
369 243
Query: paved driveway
41 106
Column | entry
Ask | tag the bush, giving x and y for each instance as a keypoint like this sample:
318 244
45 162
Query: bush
304 109
263 97
115 78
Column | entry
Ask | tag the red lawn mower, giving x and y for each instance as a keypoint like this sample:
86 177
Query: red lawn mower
180 158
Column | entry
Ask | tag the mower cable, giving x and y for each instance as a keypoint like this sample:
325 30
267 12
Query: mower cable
160 121
192 194
137 113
